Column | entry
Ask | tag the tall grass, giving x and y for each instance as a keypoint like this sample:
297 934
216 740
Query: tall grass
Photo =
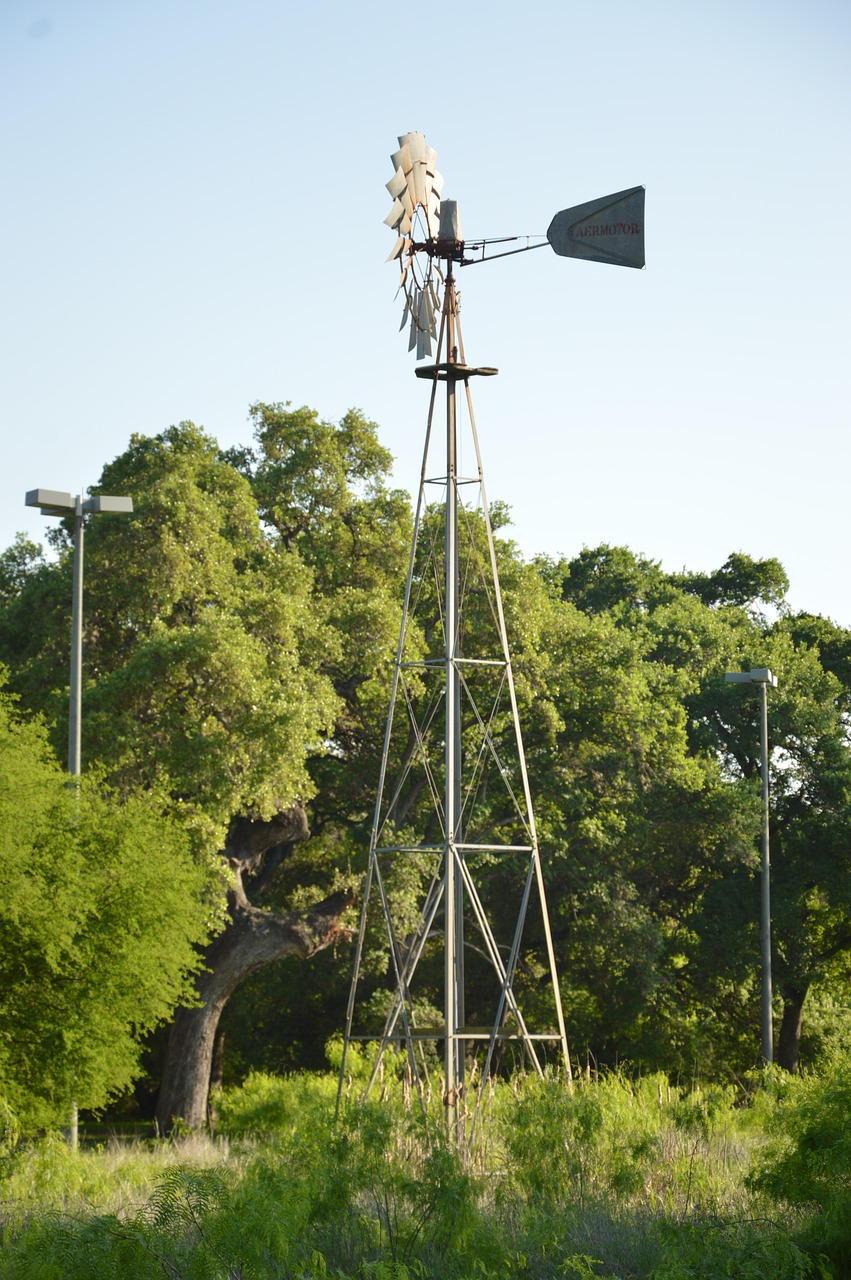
620 1177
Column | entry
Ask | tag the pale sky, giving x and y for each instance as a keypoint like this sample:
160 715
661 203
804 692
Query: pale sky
193 196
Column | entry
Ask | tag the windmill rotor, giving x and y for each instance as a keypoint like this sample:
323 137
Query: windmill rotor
610 229
415 189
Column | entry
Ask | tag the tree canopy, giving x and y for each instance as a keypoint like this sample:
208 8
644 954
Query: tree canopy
239 634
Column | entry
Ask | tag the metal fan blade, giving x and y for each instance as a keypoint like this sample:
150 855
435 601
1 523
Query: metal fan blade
406 312
405 225
397 250
395 216
414 301
397 184
416 145
420 183
425 317
401 159
423 344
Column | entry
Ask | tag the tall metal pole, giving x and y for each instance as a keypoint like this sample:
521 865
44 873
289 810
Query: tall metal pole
53 503
454 892
763 677
765 887
74 706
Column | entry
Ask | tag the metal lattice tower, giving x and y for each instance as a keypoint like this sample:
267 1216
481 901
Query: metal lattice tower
453 790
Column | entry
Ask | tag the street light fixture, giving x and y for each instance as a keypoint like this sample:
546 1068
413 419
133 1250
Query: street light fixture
53 503
762 677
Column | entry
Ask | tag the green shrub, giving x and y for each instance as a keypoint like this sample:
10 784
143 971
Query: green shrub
638 1141
807 1162
279 1107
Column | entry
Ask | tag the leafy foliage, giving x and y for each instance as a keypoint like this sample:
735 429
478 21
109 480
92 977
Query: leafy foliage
240 629
104 903
808 1160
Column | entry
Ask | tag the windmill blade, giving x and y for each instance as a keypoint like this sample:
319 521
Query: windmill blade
395 215
423 344
420 184
414 299
416 144
397 184
425 318
401 159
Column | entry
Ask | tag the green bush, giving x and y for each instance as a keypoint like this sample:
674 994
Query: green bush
807 1162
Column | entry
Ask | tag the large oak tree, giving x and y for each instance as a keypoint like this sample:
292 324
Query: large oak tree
227 643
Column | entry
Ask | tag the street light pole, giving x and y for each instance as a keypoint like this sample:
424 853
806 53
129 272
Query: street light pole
52 503
76 688
762 677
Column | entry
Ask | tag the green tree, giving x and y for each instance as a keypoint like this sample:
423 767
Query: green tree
104 902
702 625
222 657
322 494
634 821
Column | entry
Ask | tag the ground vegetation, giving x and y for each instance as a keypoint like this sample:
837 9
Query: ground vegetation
617 1178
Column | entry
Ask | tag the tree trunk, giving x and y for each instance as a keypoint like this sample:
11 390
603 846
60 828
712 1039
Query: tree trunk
789 1043
252 939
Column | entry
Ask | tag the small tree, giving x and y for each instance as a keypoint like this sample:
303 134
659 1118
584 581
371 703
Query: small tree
103 906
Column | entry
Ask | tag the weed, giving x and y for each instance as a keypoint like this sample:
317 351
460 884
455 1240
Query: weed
616 1179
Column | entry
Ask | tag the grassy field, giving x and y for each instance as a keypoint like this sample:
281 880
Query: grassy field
620 1177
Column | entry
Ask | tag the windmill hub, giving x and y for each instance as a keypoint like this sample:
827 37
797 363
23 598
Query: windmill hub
450 250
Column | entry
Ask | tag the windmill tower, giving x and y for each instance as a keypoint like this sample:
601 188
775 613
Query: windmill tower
454 810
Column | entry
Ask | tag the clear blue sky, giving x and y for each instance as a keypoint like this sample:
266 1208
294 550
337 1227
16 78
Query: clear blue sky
192 221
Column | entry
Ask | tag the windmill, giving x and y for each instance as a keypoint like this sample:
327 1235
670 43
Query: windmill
453 798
